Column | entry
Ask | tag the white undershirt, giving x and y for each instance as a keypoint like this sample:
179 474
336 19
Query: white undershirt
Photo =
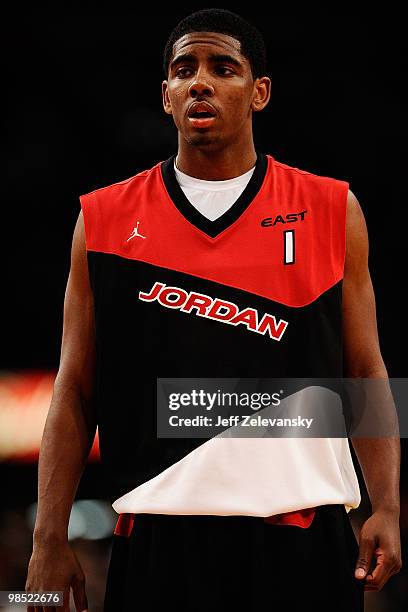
212 198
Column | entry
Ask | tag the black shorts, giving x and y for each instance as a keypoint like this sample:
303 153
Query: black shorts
233 563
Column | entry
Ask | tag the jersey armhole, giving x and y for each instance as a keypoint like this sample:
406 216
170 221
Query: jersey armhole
339 199
89 208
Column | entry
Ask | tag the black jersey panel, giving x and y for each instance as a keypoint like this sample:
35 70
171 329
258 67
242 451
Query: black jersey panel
139 341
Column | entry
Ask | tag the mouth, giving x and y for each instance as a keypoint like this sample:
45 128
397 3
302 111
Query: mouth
201 114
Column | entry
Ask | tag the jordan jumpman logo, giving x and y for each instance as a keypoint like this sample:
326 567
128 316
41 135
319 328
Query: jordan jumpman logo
135 233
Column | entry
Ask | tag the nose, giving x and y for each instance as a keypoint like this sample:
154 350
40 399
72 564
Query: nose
201 86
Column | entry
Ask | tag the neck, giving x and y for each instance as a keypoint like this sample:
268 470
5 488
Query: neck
215 165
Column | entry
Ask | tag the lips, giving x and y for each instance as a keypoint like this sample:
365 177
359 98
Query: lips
201 115
201 110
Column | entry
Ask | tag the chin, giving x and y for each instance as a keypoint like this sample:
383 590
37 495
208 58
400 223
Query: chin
203 139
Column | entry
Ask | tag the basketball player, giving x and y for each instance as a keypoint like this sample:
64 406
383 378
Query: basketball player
218 262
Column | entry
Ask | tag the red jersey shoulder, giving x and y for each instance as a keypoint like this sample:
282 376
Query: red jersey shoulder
312 176
107 208
120 186
305 184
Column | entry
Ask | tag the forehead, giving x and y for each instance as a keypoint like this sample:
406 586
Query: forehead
211 41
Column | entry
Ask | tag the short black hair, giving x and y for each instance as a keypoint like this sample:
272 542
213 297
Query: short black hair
224 22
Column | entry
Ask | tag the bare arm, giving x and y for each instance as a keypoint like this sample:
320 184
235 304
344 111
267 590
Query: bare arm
379 457
68 436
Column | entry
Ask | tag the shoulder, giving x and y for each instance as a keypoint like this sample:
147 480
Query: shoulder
316 184
353 206
356 224
123 186
301 172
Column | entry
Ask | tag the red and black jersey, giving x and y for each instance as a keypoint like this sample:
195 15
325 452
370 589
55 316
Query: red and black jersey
255 293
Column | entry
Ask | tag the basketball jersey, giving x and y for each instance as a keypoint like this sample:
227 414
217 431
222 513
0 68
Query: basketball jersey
254 293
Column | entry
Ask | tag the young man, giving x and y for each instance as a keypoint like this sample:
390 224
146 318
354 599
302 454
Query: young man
219 262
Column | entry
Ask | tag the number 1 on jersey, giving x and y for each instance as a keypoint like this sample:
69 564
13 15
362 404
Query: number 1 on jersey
289 247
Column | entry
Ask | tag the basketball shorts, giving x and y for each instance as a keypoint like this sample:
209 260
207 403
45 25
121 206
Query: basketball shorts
233 563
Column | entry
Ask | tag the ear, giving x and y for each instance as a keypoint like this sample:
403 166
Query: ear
262 93
166 99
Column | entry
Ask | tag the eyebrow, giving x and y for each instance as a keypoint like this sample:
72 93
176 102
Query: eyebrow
214 57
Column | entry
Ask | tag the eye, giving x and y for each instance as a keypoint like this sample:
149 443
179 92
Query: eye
183 72
224 70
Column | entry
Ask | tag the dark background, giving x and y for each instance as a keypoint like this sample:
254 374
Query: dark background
84 91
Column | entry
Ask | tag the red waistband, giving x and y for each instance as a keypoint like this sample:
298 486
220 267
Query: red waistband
124 525
300 518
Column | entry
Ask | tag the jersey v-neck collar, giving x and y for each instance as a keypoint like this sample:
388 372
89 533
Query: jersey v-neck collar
213 228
